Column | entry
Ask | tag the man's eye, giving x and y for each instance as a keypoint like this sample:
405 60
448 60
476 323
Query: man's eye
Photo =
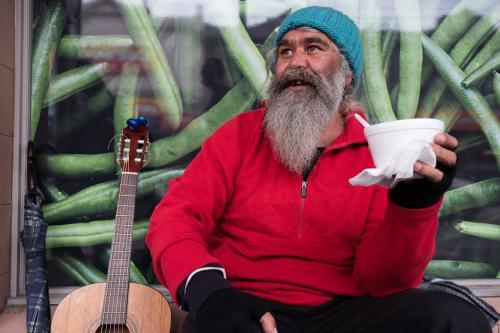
285 52
312 48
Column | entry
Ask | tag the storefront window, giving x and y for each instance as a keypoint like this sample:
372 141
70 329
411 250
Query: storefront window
188 66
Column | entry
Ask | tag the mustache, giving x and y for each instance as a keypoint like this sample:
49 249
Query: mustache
293 75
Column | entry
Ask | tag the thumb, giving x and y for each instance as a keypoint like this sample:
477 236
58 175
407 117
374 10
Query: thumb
268 323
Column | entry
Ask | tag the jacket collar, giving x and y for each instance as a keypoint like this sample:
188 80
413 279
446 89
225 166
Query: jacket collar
352 134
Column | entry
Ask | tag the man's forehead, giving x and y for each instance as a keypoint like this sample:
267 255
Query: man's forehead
306 34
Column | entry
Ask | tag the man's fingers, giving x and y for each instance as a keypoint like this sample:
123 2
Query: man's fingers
447 141
444 155
432 174
268 323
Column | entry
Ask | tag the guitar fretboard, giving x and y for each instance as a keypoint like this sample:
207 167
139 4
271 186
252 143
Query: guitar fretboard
116 295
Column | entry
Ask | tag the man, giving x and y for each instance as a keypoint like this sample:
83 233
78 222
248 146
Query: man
264 233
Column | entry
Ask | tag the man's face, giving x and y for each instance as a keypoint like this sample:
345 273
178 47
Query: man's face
311 50
304 96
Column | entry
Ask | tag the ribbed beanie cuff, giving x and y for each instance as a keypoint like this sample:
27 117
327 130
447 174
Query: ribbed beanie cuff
336 25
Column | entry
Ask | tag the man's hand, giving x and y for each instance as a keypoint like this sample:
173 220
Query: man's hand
443 146
231 311
268 323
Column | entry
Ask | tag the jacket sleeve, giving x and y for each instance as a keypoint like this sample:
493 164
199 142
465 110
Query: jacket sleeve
396 246
188 213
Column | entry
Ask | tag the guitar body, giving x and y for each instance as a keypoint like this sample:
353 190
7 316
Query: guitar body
80 311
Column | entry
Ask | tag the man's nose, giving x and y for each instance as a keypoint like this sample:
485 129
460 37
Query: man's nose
299 59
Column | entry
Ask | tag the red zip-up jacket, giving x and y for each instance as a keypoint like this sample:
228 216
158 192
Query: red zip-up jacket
279 237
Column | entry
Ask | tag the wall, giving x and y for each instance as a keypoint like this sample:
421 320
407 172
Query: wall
6 140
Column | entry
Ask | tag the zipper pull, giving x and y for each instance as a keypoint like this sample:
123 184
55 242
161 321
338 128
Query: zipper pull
303 190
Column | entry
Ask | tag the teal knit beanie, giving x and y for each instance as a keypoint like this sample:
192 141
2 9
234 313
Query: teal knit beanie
340 28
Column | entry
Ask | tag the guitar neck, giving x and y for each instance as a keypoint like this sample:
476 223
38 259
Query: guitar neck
116 294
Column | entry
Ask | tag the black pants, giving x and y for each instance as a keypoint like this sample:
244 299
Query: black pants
416 310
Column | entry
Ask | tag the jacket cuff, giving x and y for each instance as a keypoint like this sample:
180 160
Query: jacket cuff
195 289
421 193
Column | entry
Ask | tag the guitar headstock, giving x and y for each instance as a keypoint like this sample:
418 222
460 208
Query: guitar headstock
134 143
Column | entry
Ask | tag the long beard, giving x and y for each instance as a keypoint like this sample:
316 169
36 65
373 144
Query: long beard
296 119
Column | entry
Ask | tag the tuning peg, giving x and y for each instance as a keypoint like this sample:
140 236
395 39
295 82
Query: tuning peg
135 123
142 120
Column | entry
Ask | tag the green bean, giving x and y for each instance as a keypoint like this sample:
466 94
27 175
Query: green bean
102 197
491 100
410 58
135 274
169 149
188 59
45 41
246 55
459 54
268 44
51 191
483 55
450 109
449 112
150 274
73 272
453 27
394 96
88 233
475 103
74 80
101 47
375 82
470 142
83 272
486 52
70 121
496 87
125 106
482 193
77 165
367 99
482 230
162 151
461 269
143 34
232 73
388 45
487 68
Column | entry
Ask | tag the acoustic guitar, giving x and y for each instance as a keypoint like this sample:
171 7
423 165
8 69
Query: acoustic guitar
117 305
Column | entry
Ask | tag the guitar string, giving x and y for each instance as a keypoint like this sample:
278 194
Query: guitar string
118 319
129 207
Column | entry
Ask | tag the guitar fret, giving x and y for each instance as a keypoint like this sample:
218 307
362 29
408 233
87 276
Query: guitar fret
111 288
116 292
115 312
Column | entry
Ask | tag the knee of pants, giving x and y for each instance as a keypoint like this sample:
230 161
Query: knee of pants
453 312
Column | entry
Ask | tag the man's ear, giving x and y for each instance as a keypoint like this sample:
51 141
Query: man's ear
347 80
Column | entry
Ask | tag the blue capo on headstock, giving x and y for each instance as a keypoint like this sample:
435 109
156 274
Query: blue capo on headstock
135 123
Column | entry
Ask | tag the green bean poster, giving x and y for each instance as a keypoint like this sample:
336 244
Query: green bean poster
188 66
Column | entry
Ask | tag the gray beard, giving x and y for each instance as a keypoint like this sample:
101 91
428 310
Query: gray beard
295 119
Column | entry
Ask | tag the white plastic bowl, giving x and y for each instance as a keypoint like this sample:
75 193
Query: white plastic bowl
385 139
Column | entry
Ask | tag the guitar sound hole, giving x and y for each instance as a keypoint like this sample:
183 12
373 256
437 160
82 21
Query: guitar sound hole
110 328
